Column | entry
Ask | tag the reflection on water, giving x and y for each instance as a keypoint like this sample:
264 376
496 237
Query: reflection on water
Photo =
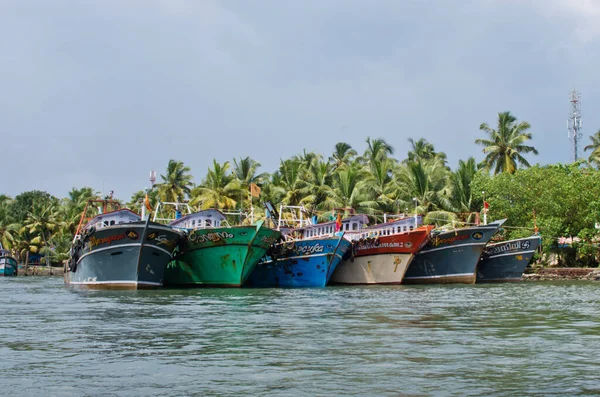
514 339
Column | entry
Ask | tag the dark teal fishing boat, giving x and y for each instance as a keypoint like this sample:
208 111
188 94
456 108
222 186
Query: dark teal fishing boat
451 256
506 261
118 250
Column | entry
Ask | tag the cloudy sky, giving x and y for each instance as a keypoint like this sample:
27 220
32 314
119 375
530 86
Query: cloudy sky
99 92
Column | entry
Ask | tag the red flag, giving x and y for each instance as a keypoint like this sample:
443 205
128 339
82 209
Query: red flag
486 206
338 223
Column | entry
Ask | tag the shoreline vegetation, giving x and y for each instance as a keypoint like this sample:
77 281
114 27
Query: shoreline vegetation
531 274
559 201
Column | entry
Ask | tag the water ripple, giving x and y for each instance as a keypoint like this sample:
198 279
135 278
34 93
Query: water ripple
505 340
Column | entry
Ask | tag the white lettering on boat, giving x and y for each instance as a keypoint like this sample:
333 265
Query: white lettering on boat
213 237
371 245
308 249
512 246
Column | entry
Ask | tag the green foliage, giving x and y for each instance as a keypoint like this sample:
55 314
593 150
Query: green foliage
564 198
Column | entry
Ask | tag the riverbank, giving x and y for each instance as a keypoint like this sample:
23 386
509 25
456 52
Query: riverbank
562 273
41 271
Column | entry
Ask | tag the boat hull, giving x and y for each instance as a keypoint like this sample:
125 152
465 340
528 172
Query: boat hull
219 257
450 257
383 260
506 261
128 256
8 266
300 264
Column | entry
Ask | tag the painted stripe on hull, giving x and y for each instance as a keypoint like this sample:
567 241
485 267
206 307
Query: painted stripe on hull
115 285
509 254
122 245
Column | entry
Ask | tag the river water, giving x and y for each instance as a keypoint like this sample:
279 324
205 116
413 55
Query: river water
506 340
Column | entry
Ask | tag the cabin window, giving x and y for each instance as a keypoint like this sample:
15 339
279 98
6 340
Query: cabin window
354 226
412 227
208 223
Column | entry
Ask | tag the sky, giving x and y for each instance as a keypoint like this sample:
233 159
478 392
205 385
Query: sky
99 92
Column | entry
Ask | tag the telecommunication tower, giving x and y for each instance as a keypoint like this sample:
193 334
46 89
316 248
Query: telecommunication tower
574 123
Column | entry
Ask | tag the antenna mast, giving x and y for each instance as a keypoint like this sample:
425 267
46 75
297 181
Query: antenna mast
574 124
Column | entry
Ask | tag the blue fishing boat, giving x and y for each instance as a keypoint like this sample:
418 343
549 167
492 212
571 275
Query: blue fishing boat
308 256
301 263
506 261
8 264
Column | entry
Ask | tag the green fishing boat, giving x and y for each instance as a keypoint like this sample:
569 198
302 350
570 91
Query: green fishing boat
214 254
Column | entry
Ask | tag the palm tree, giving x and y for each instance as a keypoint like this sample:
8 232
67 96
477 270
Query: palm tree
343 155
350 190
424 181
595 148
217 189
290 181
461 195
176 183
423 150
505 146
41 220
377 149
319 181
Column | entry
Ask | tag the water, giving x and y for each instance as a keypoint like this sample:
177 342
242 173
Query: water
512 339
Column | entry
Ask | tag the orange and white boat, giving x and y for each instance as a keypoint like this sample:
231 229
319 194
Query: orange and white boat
381 253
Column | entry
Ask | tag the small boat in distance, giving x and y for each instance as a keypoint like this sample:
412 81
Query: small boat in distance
309 255
451 256
382 253
506 261
8 264
213 253
117 249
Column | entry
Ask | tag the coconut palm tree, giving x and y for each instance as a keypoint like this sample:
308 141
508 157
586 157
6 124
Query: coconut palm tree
290 179
595 148
319 181
461 195
505 146
41 221
423 150
176 184
424 181
217 190
350 190
377 149
343 155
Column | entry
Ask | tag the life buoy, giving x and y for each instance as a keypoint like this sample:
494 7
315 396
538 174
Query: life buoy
376 242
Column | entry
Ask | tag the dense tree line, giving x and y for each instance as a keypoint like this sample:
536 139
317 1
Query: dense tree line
374 182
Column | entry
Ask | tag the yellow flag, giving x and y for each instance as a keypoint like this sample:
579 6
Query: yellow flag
254 190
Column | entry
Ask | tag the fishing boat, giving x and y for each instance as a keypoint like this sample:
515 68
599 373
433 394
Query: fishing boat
118 249
451 255
8 264
215 254
382 253
309 255
506 261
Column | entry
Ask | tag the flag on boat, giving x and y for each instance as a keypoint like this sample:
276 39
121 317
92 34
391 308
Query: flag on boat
338 222
147 203
486 206
254 190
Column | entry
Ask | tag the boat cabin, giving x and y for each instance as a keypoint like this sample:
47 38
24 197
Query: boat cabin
352 224
401 225
200 220
112 218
